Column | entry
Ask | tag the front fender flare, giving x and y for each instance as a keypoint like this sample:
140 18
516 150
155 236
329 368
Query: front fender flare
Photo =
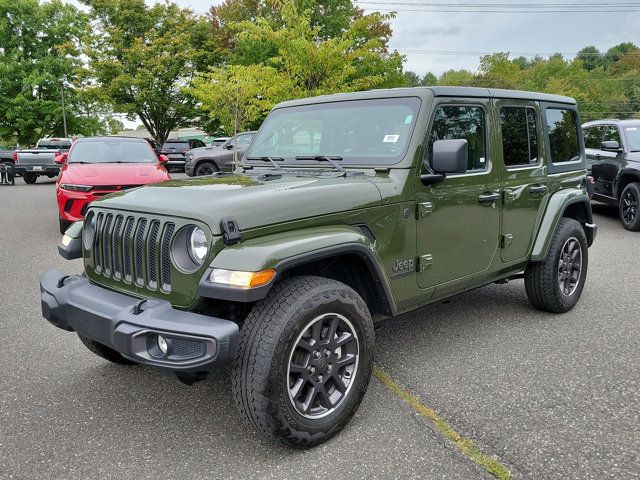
282 251
556 207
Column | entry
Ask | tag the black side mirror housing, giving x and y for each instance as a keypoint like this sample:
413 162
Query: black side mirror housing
610 145
449 156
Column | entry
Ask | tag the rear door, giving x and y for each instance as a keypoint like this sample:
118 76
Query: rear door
523 173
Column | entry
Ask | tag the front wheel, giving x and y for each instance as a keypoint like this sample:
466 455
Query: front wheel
205 168
29 178
555 283
629 207
304 361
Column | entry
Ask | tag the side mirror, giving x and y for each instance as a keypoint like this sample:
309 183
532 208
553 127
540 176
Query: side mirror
610 145
449 156
61 159
163 158
229 146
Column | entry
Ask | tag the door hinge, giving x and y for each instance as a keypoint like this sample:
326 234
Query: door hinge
507 240
424 262
424 210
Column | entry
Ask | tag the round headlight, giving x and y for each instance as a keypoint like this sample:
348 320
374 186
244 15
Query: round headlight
198 247
89 230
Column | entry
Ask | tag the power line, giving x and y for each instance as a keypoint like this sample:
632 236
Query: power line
541 54
388 6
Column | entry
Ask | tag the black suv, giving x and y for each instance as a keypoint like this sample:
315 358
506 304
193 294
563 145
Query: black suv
176 149
613 157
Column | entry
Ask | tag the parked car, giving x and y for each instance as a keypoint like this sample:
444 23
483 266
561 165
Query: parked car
98 166
175 150
40 161
613 160
218 142
352 209
208 160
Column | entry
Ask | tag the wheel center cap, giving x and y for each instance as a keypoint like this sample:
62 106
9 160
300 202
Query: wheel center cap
322 365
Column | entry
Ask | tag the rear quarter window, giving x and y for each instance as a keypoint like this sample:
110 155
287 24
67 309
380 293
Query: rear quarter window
562 131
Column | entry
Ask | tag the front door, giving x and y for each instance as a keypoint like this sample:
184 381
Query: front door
459 219
524 178
604 165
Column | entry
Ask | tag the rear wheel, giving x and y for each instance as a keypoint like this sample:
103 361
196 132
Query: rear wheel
555 283
629 204
29 178
304 362
105 352
205 168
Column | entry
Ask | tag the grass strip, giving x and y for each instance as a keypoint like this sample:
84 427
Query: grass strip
466 446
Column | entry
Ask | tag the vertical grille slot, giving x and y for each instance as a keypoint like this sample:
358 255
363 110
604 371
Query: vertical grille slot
97 246
106 245
165 257
117 248
138 252
152 251
126 250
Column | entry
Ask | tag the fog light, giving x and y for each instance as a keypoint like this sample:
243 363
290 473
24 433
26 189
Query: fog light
162 344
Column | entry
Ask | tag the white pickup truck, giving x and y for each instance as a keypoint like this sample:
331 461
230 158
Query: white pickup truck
38 161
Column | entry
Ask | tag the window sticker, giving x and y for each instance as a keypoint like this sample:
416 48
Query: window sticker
391 138
408 119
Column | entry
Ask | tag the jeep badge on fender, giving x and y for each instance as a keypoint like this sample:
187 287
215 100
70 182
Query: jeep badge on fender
280 267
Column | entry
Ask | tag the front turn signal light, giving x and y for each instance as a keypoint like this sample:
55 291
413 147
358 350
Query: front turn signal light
241 279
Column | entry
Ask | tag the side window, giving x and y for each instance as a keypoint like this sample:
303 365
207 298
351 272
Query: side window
519 136
562 128
593 137
462 122
243 140
611 133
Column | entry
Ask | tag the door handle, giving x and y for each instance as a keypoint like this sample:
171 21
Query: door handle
488 198
535 189
597 156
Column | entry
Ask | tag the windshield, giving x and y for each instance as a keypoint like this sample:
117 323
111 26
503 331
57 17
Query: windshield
112 151
178 146
53 145
633 138
375 131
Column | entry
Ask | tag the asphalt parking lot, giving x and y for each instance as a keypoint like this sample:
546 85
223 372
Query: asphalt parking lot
548 396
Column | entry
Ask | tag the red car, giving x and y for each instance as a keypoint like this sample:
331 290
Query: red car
97 166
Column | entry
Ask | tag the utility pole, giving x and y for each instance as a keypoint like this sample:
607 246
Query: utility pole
64 112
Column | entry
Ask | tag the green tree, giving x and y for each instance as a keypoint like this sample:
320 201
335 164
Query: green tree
591 57
496 71
142 57
457 78
301 62
39 52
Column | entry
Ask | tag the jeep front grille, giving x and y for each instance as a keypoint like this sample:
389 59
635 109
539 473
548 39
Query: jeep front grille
134 250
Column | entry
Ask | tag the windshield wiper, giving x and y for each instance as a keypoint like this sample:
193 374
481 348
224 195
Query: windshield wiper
324 158
269 159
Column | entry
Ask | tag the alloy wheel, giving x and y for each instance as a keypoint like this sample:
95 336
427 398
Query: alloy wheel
570 266
322 365
629 206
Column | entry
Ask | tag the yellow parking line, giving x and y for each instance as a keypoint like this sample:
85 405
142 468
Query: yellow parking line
466 446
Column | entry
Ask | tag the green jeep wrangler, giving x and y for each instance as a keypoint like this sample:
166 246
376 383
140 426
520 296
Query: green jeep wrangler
347 210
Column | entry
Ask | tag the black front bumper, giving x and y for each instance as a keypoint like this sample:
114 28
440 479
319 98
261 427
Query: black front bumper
131 326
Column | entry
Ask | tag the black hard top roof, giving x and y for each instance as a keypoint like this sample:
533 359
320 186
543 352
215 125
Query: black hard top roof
435 91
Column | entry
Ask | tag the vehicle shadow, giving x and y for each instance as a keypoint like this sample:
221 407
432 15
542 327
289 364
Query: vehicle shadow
605 210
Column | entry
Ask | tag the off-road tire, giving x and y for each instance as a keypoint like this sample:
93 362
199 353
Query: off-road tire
104 352
541 278
260 373
64 224
29 178
205 168
630 221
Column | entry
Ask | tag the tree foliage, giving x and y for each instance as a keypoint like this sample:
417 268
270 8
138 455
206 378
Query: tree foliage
39 52
287 56
142 57
604 84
